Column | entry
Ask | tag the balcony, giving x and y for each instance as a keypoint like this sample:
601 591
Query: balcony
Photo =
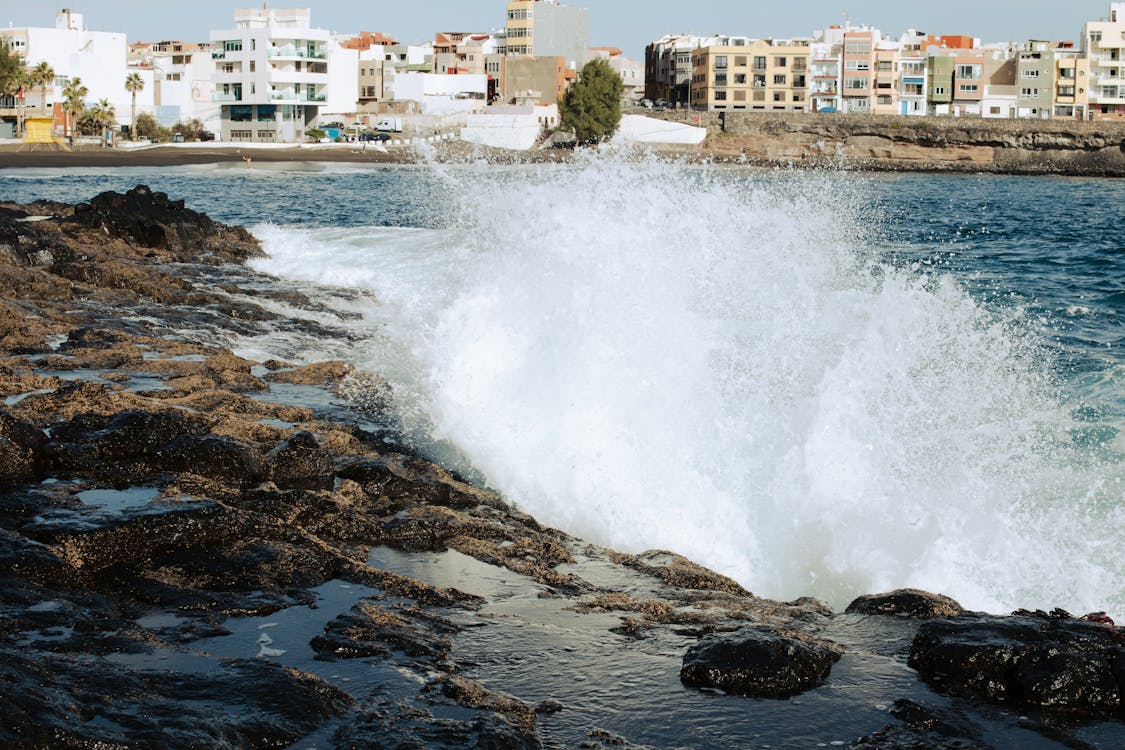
289 95
220 55
219 96
299 53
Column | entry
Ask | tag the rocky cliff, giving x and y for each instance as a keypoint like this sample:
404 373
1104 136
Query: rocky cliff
915 144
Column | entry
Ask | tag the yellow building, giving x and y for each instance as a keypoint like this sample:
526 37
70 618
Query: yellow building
887 82
1071 82
742 74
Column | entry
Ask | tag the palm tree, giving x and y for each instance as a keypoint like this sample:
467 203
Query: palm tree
41 75
133 84
105 114
73 104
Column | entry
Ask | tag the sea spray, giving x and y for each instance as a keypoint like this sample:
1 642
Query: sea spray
723 364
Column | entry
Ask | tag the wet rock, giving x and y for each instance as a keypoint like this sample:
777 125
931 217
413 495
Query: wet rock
300 462
59 701
21 450
910 603
759 662
924 728
512 723
318 373
373 629
151 220
218 457
1055 664
679 572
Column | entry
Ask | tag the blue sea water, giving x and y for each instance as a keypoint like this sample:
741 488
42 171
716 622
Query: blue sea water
818 383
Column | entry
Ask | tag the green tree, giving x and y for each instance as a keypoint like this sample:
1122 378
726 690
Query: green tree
40 76
74 104
192 130
133 84
13 77
148 127
592 105
105 114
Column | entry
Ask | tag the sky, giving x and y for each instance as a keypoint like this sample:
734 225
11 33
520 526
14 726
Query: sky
628 24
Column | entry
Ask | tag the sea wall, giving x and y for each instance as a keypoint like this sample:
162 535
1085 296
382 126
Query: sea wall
914 143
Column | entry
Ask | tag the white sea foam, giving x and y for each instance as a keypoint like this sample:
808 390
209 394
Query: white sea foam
661 356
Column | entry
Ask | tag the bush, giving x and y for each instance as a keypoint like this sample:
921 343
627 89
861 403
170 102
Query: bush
147 127
592 105
192 130
315 134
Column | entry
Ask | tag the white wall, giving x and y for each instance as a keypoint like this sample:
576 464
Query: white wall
97 57
442 94
343 80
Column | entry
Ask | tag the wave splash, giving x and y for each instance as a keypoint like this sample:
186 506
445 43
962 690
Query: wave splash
652 355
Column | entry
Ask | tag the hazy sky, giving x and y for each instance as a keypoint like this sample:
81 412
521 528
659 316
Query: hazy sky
629 24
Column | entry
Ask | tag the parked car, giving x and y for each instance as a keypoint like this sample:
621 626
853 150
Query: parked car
827 110
660 105
646 103
375 137
389 124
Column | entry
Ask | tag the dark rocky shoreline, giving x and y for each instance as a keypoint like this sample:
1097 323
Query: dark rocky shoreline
166 504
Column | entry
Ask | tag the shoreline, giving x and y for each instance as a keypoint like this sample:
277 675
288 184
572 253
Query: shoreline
194 548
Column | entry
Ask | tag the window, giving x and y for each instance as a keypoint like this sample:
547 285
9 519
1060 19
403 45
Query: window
759 81
1029 73
857 65
253 67
228 67
241 113
779 79
862 47
1066 91
993 110
885 66
967 88
1066 72
740 96
778 96
939 90
855 83
759 62
885 100
720 96
720 62
740 61
1095 36
721 79
241 135
740 79
1029 92
781 62
267 113
969 71
232 45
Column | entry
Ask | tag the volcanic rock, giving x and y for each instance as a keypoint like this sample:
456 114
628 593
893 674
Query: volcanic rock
911 603
759 662
21 449
924 728
373 629
300 462
1058 665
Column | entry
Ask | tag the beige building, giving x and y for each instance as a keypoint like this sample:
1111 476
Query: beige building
1104 43
1071 94
743 74
887 81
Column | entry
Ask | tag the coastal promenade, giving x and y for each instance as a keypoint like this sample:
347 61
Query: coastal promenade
901 144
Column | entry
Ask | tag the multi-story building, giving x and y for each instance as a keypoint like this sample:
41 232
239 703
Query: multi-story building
544 28
740 74
99 58
540 79
632 72
887 79
912 71
271 74
462 52
1072 73
826 52
1035 74
177 78
1000 84
1104 44
858 79
968 82
668 68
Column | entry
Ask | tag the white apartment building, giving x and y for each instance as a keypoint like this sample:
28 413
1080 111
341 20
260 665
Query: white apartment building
825 66
912 79
1104 43
271 75
97 57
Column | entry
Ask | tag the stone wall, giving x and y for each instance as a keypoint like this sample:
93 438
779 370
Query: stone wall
914 143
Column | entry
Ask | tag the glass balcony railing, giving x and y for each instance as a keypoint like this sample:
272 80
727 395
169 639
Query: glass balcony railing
301 52
219 96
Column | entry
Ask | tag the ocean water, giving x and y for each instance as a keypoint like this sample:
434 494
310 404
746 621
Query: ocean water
818 383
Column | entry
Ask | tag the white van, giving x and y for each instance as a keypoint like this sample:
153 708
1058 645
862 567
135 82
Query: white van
389 124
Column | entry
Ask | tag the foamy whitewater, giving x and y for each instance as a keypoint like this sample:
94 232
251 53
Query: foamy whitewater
663 356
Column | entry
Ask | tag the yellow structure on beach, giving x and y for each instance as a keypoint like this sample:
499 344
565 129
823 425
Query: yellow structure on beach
38 132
